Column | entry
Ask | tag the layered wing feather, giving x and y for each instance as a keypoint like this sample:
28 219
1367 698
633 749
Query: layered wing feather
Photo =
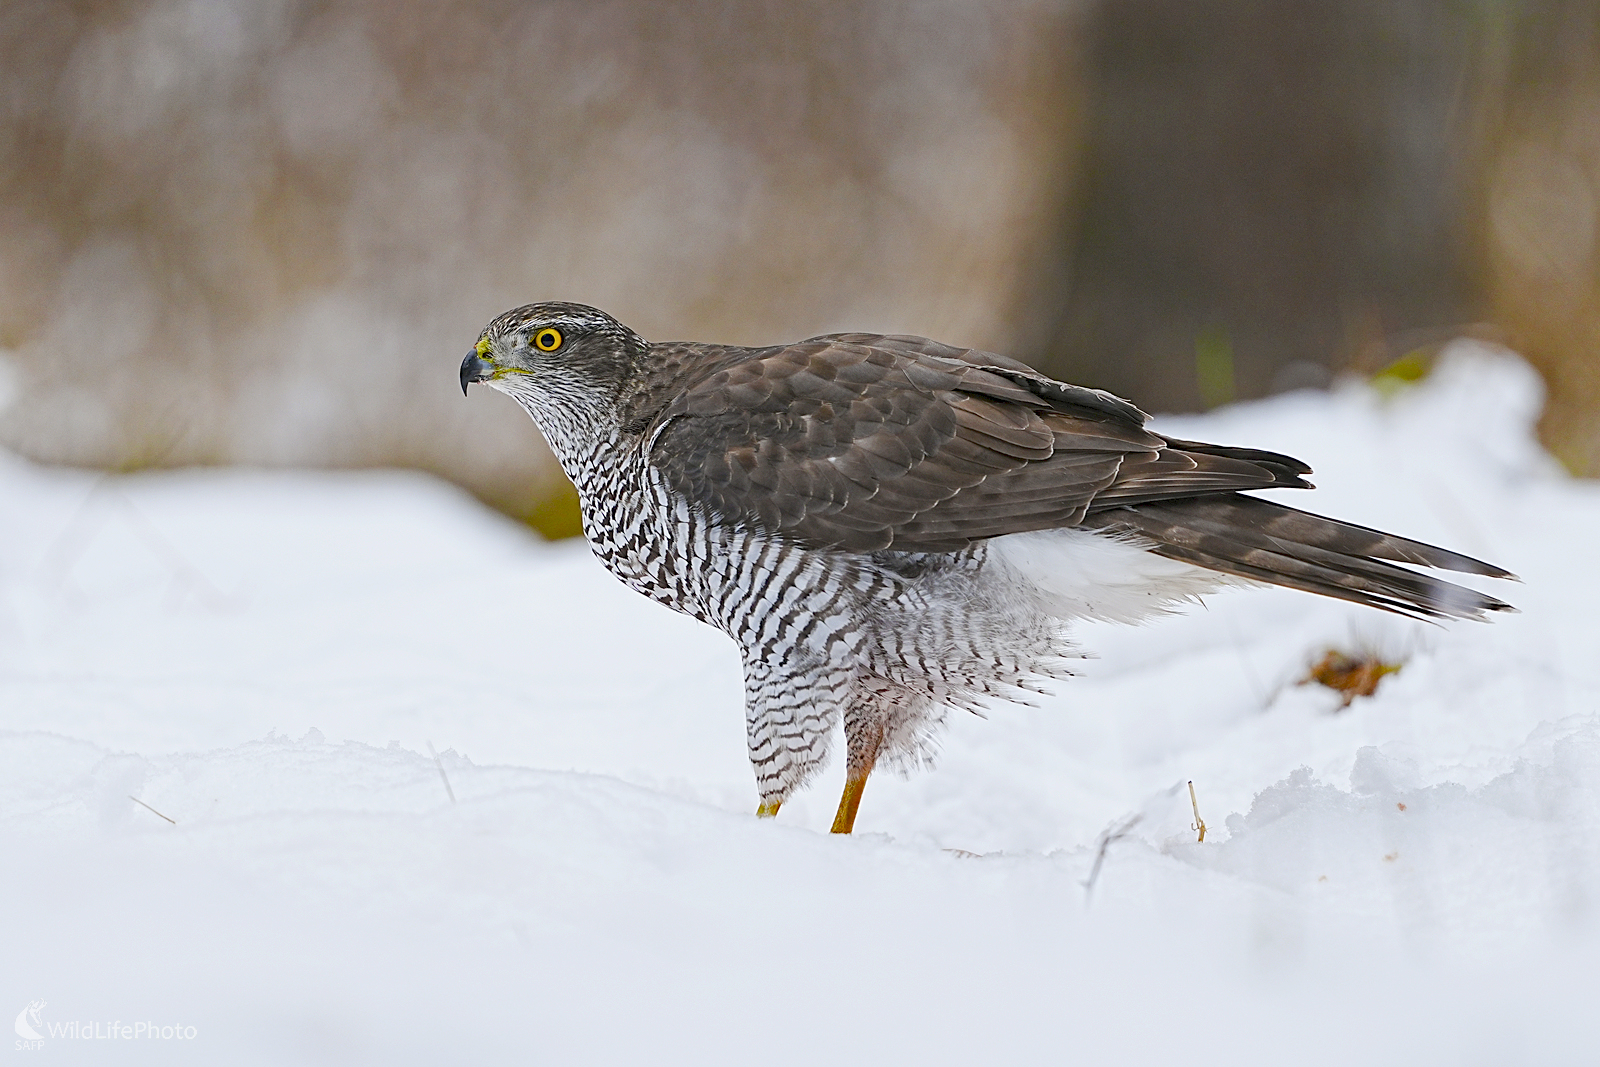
864 442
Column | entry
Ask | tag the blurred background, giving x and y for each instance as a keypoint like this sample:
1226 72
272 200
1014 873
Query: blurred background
264 231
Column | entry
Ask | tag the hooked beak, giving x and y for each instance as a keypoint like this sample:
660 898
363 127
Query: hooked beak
474 369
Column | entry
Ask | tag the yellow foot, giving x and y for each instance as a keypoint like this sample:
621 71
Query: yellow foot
769 811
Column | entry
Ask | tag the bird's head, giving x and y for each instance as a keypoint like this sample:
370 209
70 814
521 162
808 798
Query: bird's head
555 356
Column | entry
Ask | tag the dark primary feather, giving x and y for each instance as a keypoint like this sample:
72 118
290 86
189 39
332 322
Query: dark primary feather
1268 542
864 442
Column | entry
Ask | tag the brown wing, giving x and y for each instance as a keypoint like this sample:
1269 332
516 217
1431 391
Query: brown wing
865 442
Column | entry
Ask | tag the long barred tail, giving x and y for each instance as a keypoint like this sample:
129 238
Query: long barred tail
1267 542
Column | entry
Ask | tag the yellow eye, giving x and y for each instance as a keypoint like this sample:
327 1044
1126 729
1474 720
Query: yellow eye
547 339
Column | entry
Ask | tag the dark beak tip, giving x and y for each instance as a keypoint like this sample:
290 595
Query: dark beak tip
470 371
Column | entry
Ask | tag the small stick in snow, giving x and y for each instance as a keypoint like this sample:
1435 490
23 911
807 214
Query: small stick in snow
1114 832
439 763
147 807
1199 823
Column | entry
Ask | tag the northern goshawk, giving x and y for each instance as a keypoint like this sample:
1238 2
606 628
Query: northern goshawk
890 527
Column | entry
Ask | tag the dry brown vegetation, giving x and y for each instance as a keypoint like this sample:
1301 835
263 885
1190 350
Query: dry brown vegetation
1350 674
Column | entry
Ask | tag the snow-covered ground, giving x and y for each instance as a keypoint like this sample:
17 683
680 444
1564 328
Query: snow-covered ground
266 658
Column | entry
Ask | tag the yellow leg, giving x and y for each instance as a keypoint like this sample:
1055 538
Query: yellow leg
862 741
769 811
845 821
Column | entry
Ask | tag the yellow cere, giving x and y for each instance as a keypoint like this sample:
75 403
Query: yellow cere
483 348
547 339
